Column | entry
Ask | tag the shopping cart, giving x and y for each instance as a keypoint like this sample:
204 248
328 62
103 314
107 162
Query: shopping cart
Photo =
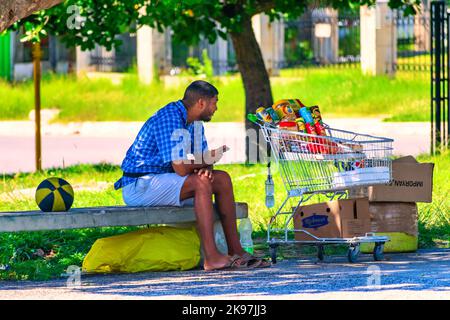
327 165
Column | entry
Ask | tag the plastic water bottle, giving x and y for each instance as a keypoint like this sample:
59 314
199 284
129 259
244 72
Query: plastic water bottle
270 190
219 237
245 234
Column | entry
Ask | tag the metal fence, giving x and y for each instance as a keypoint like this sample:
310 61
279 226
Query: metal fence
117 63
118 60
322 37
413 41
319 38
331 40
181 52
440 84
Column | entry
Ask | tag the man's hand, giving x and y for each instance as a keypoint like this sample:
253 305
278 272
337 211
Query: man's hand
201 161
207 172
215 155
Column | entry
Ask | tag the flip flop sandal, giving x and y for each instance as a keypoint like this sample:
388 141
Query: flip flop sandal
264 264
239 262
254 262
236 263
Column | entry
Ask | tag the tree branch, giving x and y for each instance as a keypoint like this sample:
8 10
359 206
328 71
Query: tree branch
264 5
13 10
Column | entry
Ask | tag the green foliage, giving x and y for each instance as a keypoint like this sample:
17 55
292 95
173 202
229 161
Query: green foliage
297 50
301 53
34 29
179 53
195 67
208 65
83 22
350 45
87 22
199 68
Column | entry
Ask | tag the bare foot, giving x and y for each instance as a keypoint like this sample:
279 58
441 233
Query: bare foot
239 253
216 263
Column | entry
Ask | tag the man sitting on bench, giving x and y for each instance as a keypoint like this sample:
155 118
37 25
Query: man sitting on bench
157 171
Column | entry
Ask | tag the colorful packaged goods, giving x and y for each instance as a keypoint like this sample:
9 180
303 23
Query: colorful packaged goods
306 114
288 125
263 115
315 112
351 147
301 125
317 145
293 142
293 115
298 103
320 129
317 117
351 165
295 104
313 147
273 114
284 111
333 148
309 121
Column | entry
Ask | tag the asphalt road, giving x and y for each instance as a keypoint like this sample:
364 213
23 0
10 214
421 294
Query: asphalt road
95 142
421 275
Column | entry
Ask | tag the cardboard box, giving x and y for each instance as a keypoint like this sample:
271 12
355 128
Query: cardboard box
322 220
333 219
393 217
398 221
411 182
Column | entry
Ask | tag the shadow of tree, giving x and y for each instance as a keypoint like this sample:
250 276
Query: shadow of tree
293 276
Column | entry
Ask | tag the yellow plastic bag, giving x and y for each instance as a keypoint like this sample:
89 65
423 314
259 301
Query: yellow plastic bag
398 242
152 249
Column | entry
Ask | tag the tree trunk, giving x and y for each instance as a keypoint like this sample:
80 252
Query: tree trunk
14 10
256 84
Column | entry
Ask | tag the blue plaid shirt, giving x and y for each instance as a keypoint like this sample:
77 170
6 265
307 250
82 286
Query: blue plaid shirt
164 138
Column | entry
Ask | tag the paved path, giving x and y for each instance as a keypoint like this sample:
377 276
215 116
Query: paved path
422 275
92 142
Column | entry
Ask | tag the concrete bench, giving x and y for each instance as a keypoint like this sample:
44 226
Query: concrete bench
94 217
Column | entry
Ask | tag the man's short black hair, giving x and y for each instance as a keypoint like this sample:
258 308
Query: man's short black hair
197 90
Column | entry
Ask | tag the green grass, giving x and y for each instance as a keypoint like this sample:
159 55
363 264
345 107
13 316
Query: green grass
342 92
347 93
60 248
93 187
434 218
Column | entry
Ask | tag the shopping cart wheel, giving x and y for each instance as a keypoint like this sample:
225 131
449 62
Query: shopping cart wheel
320 253
378 254
273 252
353 253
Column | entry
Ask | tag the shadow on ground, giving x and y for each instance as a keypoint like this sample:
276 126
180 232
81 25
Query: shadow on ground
425 270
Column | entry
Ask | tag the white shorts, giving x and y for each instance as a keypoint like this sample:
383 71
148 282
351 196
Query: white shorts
156 190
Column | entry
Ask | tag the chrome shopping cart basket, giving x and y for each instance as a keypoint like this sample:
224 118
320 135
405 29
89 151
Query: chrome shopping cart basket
328 165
